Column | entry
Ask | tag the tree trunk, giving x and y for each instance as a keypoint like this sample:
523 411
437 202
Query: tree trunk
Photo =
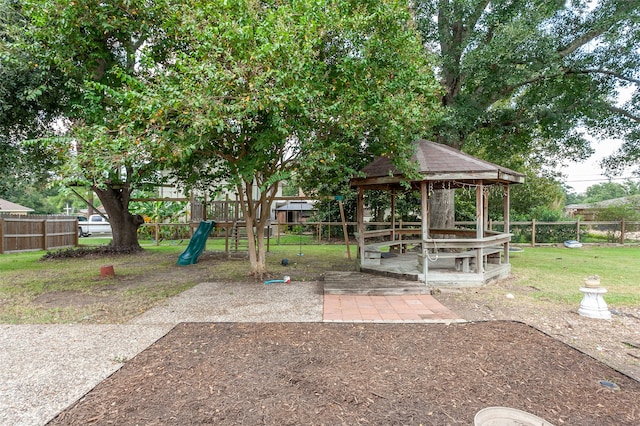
256 248
124 225
256 215
442 209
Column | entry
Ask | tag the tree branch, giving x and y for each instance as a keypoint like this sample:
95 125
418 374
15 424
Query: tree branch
475 16
453 33
514 122
507 90
613 19
579 42
607 72
623 112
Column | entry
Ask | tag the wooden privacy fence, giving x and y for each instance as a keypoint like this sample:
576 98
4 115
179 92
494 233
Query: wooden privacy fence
37 232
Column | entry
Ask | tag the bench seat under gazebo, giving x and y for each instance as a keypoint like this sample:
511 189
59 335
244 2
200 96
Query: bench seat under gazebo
454 257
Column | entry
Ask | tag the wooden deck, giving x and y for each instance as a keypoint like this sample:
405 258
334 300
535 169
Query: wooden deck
441 273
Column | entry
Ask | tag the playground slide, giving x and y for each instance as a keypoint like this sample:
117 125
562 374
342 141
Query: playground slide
197 243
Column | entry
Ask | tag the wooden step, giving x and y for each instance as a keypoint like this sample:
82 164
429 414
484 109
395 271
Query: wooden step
343 282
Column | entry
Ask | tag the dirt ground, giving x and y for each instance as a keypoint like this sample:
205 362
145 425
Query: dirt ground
340 373
615 342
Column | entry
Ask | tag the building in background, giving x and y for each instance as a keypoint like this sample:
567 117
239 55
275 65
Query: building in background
7 207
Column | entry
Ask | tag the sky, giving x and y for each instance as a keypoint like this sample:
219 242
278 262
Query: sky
582 175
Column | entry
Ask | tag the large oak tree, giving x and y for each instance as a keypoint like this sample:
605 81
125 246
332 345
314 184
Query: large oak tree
72 60
524 79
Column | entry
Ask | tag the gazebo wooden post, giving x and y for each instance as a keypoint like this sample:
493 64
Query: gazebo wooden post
424 210
485 210
479 225
393 214
506 201
360 211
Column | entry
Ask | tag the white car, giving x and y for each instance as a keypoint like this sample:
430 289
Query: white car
83 229
95 225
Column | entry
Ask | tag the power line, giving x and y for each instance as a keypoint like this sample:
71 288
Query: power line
604 179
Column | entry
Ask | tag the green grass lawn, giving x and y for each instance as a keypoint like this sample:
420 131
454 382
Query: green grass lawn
71 290
559 272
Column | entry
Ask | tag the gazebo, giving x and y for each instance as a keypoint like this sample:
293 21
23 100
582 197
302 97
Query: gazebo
469 256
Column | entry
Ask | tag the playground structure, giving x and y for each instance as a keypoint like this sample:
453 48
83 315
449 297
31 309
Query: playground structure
230 225
197 244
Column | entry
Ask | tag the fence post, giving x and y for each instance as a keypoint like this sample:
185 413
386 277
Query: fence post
344 228
44 234
533 233
76 238
622 231
1 235
156 232
578 229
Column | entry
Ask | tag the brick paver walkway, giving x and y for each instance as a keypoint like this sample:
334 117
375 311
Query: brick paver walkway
401 308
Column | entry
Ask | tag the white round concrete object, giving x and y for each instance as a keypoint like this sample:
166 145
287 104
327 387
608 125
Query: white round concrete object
505 416
592 281
593 304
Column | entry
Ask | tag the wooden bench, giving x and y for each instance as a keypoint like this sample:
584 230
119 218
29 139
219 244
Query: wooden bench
372 253
462 260
465 261
493 255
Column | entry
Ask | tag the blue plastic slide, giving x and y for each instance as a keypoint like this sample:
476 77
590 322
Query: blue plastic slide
197 243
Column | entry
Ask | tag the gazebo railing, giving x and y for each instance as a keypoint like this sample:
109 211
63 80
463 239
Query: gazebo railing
463 245
462 237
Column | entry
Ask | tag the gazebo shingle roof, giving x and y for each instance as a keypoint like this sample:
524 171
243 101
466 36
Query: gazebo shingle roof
438 163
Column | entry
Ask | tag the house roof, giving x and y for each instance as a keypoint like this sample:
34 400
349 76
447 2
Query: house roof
296 207
9 207
439 164
632 199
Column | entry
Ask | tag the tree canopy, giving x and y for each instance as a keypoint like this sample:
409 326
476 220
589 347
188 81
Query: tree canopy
261 91
71 61
225 94
248 93
27 107
610 190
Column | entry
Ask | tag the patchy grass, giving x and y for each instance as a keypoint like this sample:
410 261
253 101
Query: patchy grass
558 273
71 290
